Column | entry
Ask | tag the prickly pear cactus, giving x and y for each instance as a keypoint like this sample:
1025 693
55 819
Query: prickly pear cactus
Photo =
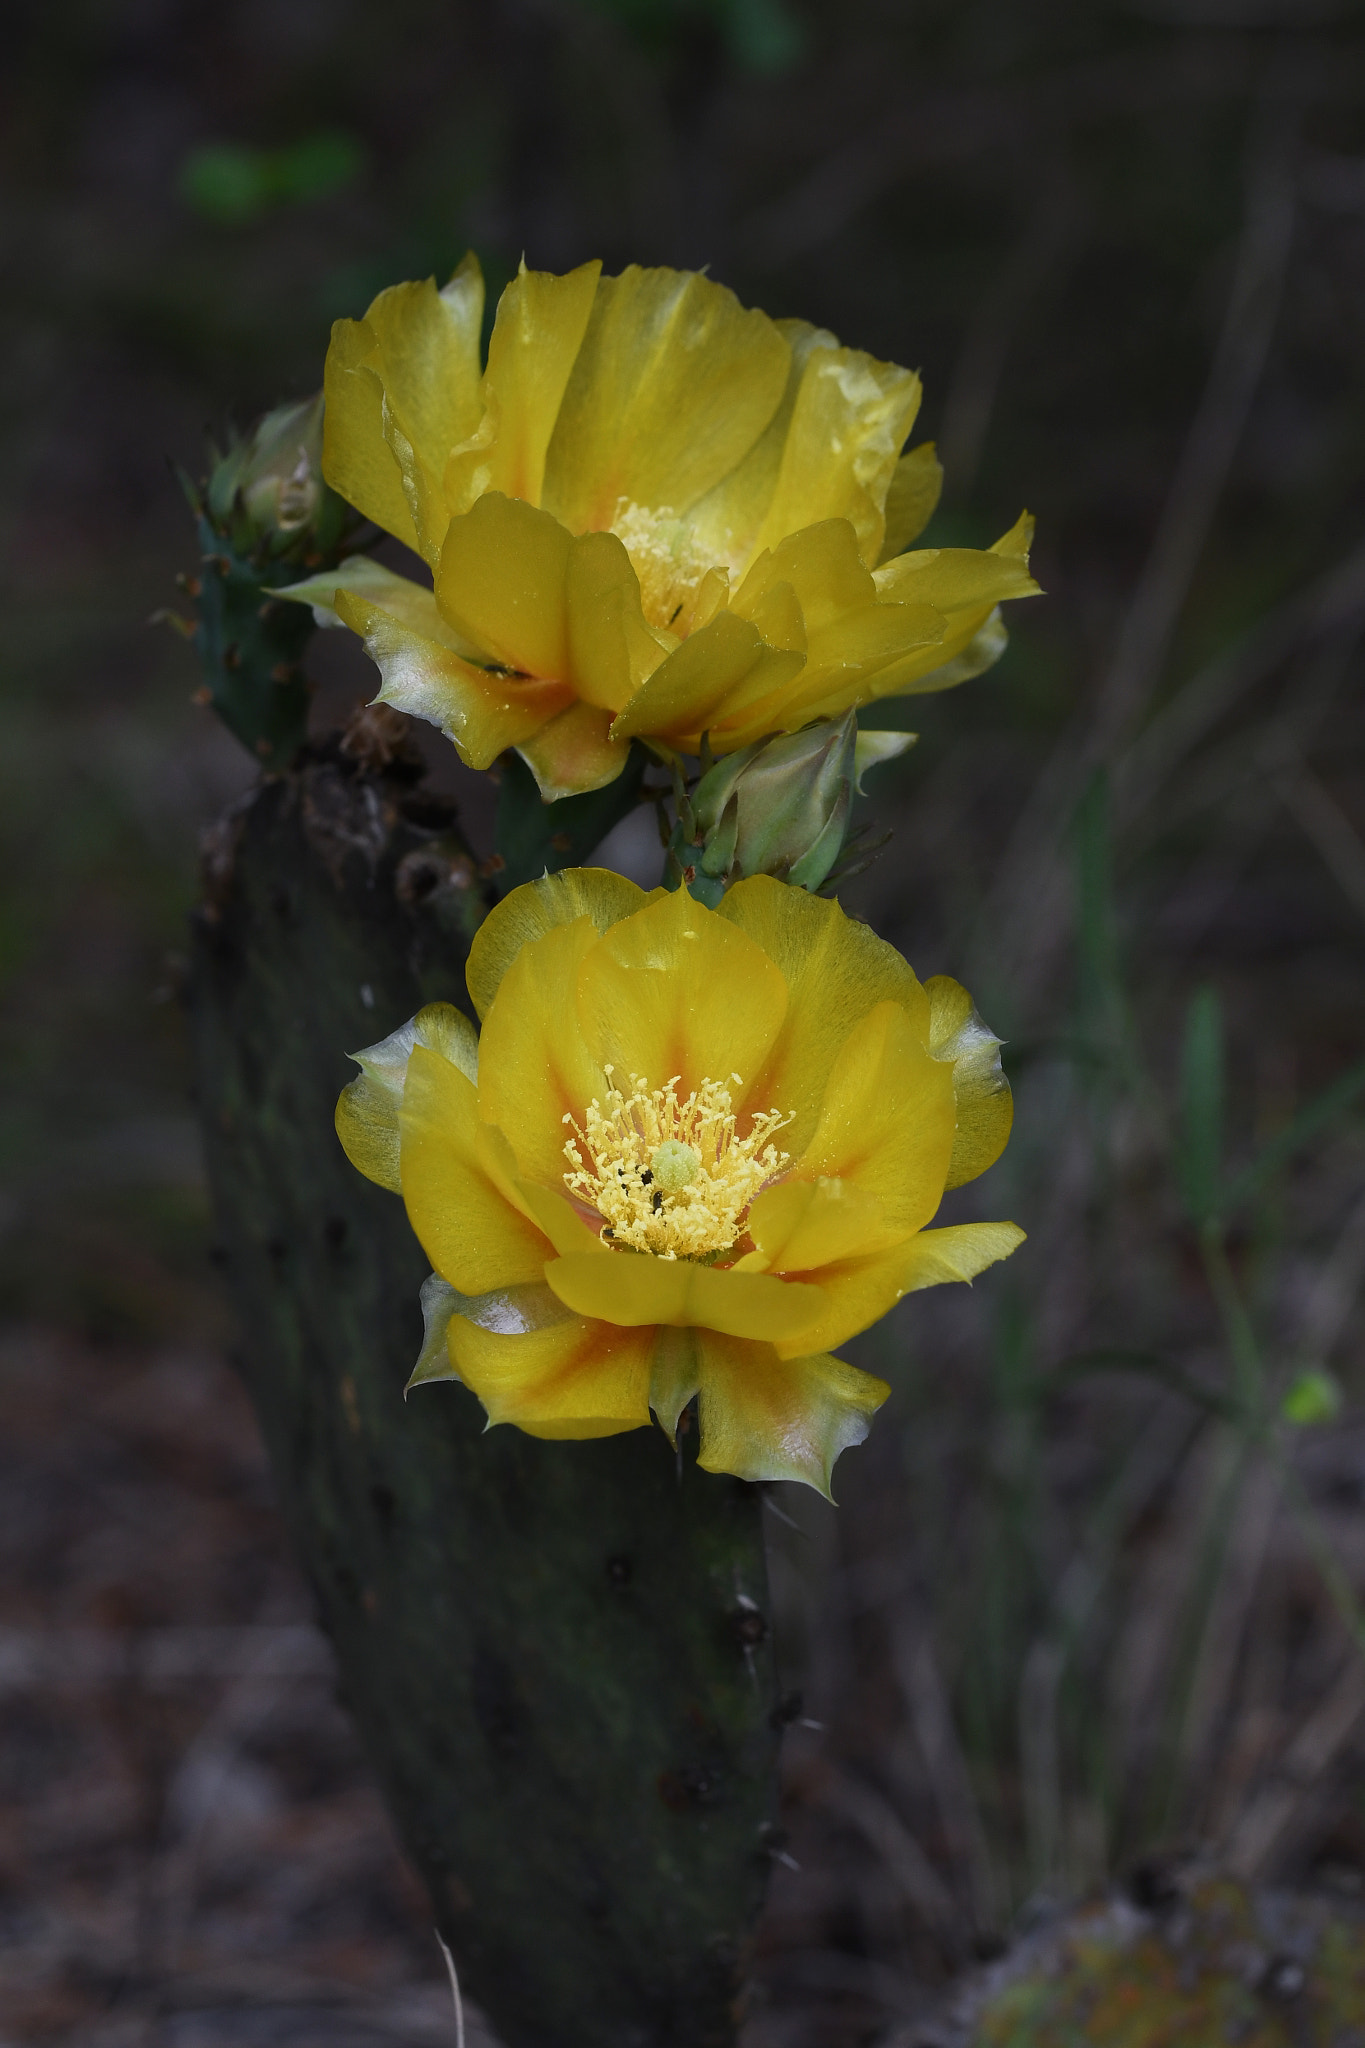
558 1654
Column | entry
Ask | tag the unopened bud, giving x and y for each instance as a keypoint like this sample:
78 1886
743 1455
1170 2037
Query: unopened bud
266 494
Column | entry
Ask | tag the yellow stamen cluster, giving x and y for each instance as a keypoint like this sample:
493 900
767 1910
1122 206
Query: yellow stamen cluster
669 1177
668 562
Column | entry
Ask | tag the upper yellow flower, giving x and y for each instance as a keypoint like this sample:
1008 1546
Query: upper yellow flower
690 1153
653 513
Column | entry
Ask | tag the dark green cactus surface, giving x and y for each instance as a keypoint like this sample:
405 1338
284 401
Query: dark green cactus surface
557 1653
250 647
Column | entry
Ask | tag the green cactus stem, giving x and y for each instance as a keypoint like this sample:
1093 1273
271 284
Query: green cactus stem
558 1654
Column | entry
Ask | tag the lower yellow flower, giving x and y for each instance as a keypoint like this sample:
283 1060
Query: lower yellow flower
690 1152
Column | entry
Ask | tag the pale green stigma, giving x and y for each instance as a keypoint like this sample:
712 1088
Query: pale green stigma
674 1166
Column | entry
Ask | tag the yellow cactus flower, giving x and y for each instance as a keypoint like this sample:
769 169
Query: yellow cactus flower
690 1152
653 513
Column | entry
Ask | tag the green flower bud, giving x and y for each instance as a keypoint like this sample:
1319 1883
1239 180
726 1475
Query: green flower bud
266 495
779 807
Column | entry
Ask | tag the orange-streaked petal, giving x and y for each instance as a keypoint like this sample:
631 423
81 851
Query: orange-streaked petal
536 336
473 1236
539 907
537 1068
860 1291
633 1289
674 383
676 990
481 713
766 1417
886 1123
836 970
574 752
575 1379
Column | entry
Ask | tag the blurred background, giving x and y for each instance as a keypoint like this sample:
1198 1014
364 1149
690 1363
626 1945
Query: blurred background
1088 1614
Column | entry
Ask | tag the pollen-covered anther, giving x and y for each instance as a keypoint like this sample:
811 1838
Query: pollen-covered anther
671 1177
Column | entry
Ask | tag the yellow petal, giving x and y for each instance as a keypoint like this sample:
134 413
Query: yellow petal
800 1225
952 579
473 1236
424 674
367 1110
822 565
574 753
574 1379
886 1123
911 501
677 990
538 907
674 383
765 1417
714 675
412 604
985 1107
535 340
726 522
633 1289
536 1068
860 1291
848 426
836 970
412 364
500 583
611 649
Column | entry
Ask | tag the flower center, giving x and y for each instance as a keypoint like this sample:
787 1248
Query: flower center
669 1177
664 554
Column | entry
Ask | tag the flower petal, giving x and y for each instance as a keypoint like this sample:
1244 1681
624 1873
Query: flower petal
633 1289
411 363
538 907
473 1236
676 990
801 1225
674 383
573 1379
536 337
860 1291
886 1123
836 970
424 674
766 1417
536 1066
849 423
985 1107
574 753
715 674
412 604
367 1110
912 498
500 583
